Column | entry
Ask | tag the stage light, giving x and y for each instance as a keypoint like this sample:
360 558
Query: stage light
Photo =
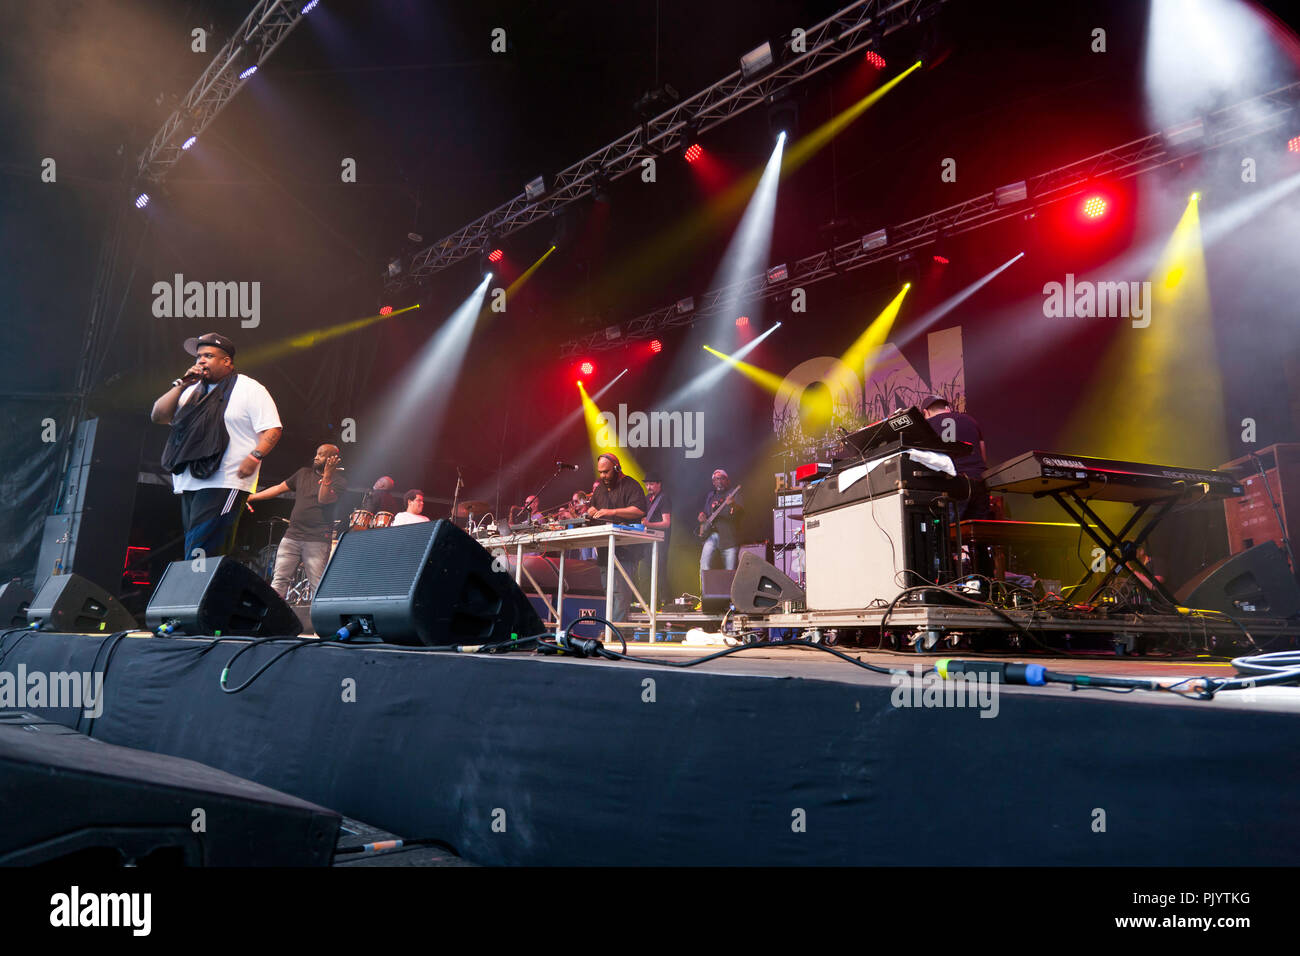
686 305
189 142
586 368
1011 193
1094 207
875 240
940 260
386 310
742 322
1196 197
778 273
309 6
1293 144
395 267
756 60
875 59
141 200
535 188
248 71
656 346
495 255
693 152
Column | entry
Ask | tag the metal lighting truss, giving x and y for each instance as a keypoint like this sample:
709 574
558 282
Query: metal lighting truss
253 43
849 30
1243 120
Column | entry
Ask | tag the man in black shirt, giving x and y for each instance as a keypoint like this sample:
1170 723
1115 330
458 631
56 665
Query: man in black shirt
958 426
724 535
621 499
658 517
311 524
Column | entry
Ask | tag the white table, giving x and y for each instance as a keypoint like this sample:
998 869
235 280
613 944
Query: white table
605 536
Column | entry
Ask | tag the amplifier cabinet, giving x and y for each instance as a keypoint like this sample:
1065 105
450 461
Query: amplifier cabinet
872 549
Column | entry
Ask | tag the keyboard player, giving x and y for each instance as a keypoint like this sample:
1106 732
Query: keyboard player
958 426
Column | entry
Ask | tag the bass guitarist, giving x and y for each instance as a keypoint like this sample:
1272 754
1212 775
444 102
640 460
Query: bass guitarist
719 523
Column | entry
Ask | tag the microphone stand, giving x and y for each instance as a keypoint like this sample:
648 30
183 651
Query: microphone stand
455 495
538 493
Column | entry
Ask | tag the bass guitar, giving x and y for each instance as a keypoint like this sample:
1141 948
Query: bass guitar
706 526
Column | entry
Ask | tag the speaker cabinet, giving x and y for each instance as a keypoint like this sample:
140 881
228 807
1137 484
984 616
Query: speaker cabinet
1256 582
74 801
74 605
15 599
420 584
760 587
220 597
716 584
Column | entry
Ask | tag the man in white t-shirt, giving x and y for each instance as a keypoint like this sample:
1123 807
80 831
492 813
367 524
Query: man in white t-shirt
223 425
414 509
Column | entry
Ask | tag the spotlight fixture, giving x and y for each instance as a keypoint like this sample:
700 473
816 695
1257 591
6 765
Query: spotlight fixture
685 305
1094 207
248 71
742 322
756 61
1011 193
395 267
613 332
778 274
940 260
600 187
495 255
587 367
656 346
386 310
535 188
141 200
875 59
875 240
693 152
1293 144
189 142
309 6
691 140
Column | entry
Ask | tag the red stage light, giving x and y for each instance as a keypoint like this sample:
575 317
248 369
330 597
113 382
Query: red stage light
386 310
875 59
495 255
586 368
1293 144
693 152
742 322
941 260
1094 207
656 346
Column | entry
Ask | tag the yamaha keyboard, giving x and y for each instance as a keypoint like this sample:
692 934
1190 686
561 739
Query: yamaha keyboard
1105 479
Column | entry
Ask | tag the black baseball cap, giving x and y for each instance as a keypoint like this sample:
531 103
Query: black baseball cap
934 400
210 338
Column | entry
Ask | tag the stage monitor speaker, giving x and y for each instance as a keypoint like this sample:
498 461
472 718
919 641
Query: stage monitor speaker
220 597
716 584
760 588
1258 581
15 599
428 583
76 801
74 605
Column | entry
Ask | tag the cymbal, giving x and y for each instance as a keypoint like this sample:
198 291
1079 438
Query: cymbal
464 509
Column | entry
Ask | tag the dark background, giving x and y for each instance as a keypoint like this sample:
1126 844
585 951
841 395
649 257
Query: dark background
443 130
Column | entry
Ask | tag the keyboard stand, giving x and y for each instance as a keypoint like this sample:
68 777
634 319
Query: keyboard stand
1112 544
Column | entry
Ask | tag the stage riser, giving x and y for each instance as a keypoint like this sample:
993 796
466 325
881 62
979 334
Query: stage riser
715 770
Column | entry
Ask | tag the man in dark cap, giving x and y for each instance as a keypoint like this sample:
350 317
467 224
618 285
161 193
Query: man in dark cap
958 426
223 425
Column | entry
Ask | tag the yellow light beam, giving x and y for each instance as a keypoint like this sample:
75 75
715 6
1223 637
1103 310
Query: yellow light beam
760 376
308 340
809 145
602 433
527 274
861 355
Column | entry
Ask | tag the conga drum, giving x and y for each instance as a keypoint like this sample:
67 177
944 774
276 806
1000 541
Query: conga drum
383 519
361 520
